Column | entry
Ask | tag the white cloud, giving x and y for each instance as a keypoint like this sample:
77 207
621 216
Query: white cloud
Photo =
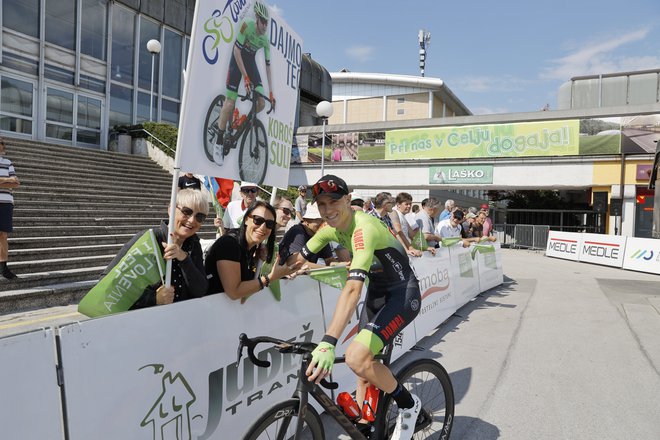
600 57
360 53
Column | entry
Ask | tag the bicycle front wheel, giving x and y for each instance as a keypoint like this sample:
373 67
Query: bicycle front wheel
429 381
280 422
253 154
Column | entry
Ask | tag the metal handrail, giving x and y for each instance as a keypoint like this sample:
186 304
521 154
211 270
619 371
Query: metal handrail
161 142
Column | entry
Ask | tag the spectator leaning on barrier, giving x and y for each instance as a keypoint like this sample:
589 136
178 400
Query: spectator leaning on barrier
301 202
452 227
487 222
185 251
400 224
8 181
231 263
449 208
235 211
468 225
412 216
383 204
296 237
426 220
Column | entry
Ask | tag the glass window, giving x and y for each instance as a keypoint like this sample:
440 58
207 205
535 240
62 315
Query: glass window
143 107
16 97
89 112
172 64
614 91
585 93
121 105
91 83
61 23
17 125
88 137
59 132
123 33
21 16
94 29
59 106
148 31
170 112
643 89
58 74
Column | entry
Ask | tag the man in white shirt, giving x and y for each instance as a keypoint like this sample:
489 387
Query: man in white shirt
233 217
401 227
451 227
301 203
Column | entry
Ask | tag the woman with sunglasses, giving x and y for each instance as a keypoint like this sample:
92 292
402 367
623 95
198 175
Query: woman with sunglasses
231 262
185 251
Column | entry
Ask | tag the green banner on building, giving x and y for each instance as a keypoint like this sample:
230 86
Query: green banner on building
546 138
461 174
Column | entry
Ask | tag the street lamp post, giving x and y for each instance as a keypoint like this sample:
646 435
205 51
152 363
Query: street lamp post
153 46
324 110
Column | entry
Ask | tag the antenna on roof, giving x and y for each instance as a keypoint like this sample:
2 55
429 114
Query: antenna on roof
424 39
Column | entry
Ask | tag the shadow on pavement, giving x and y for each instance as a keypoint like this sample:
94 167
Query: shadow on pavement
470 428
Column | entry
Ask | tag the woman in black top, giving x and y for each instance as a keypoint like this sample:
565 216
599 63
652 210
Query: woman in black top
231 263
185 251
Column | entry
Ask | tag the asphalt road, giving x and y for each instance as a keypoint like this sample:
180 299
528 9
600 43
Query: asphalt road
562 350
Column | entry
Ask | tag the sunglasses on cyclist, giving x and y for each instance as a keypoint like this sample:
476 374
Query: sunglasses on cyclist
330 185
286 211
199 216
249 190
259 220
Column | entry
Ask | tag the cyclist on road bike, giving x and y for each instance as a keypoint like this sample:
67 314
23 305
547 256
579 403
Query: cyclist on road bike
392 302
251 37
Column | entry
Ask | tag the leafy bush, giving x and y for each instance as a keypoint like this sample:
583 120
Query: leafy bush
167 133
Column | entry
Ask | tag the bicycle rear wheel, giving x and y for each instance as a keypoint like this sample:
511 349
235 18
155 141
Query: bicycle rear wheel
429 381
211 129
253 154
279 422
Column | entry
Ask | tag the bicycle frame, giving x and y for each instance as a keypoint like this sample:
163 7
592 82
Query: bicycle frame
304 388
250 117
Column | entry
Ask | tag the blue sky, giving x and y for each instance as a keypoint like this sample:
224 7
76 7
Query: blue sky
496 56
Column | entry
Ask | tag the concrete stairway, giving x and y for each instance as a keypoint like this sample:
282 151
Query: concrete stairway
74 210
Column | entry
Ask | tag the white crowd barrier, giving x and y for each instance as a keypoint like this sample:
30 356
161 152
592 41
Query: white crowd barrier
171 372
638 254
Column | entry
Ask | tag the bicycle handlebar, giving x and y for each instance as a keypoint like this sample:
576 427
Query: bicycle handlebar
282 346
248 97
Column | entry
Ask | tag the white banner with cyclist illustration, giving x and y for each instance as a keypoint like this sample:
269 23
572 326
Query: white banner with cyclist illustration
241 92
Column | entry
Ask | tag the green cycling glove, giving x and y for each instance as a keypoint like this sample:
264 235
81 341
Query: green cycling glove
324 356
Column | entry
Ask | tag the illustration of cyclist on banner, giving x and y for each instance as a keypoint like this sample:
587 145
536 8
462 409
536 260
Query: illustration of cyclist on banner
244 55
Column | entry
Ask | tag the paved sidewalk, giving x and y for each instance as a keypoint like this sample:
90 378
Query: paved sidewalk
562 350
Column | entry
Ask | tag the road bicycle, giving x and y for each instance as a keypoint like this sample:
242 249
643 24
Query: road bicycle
295 419
253 152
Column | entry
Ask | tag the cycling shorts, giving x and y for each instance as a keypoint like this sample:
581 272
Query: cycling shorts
234 76
388 309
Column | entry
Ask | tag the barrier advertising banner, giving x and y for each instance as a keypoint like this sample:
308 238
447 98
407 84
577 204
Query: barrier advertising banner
171 372
546 138
607 250
257 144
438 304
489 264
642 254
463 275
564 245
30 404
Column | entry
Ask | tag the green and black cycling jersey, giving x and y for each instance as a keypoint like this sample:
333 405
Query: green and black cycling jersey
249 40
376 253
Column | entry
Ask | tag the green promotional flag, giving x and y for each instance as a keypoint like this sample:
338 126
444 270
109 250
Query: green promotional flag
450 241
334 276
265 270
116 292
419 242
482 248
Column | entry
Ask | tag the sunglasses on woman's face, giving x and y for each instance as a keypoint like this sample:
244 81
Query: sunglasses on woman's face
258 221
199 216
286 211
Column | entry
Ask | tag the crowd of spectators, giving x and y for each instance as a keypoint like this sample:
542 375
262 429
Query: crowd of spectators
253 231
